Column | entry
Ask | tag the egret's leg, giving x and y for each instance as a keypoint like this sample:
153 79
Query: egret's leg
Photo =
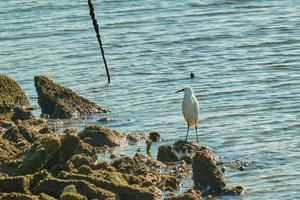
187 132
196 133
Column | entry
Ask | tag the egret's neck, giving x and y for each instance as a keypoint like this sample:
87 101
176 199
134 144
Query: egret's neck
188 94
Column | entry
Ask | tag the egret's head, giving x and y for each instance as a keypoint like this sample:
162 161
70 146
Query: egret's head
185 89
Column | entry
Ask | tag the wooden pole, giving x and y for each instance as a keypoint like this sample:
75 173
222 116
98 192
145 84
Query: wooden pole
96 27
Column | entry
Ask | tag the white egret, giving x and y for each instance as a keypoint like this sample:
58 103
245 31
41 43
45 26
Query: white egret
190 109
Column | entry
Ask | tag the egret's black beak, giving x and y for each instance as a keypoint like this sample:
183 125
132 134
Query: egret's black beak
179 90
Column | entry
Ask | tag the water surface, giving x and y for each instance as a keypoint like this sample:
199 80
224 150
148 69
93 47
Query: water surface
245 54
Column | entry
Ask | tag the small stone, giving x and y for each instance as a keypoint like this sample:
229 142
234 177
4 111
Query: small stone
166 153
154 136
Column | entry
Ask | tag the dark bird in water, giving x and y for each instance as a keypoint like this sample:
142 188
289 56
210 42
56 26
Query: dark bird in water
192 75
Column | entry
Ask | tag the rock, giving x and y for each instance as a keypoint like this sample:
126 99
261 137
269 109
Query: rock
237 190
101 136
138 165
14 184
37 177
70 193
61 102
21 114
78 160
7 150
115 182
6 124
85 169
148 147
68 147
135 137
18 196
34 158
206 175
105 119
166 153
11 94
190 194
154 136
183 146
54 187
21 132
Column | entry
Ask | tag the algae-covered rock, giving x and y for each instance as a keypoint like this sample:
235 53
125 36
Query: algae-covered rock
7 150
100 136
70 193
78 160
54 187
206 175
115 182
60 102
21 196
21 114
34 158
18 196
11 95
138 165
14 184
166 153
237 190
154 136
190 194
34 179
21 132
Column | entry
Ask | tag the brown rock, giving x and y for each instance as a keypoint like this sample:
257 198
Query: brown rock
60 102
100 136
206 175
166 153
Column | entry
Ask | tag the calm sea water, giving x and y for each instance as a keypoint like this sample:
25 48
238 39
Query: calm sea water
245 54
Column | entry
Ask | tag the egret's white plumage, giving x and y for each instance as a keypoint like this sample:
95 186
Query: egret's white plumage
190 108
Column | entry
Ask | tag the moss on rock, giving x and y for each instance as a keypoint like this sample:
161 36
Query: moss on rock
166 153
54 187
60 102
14 184
11 94
21 132
206 175
115 182
34 158
101 136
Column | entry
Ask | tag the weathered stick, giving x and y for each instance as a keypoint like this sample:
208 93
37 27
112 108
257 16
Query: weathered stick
96 27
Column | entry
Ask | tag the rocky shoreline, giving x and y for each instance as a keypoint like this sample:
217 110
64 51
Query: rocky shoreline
37 163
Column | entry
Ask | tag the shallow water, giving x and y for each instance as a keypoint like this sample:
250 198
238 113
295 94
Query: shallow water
245 54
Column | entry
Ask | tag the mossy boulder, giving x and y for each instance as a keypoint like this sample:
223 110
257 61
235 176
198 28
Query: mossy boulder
166 153
14 184
154 136
70 193
78 160
54 187
190 194
60 102
100 136
21 114
11 94
18 196
115 182
32 159
206 175
20 133
7 150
